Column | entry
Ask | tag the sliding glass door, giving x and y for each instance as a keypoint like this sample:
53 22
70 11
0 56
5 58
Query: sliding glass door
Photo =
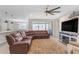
39 26
35 27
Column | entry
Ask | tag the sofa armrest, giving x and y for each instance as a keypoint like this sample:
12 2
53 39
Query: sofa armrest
19 48
20 44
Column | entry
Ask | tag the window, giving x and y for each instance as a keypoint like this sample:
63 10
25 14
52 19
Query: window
40 26
22 25
35 26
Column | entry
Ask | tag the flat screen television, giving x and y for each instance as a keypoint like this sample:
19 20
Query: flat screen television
70 26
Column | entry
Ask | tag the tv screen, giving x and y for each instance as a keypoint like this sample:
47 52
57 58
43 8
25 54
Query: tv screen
71 25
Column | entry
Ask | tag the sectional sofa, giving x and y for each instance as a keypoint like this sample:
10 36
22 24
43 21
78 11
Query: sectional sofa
20 41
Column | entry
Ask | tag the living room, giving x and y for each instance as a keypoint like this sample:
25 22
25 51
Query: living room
41 26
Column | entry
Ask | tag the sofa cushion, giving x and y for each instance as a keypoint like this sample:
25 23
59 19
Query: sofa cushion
27 33
27 38
19 37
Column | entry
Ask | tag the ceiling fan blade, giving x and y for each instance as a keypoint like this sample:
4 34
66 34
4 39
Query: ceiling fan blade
54 9
51 13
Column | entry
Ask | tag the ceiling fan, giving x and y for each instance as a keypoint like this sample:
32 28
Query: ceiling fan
52 11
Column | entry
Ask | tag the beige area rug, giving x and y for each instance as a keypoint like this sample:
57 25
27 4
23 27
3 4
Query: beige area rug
46 46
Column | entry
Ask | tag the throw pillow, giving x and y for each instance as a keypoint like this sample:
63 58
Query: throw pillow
18 37
23 34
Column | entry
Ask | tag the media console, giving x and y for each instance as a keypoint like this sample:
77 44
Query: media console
69 30
66 37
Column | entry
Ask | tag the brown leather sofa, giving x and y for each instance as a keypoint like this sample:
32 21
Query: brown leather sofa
38 34
20 41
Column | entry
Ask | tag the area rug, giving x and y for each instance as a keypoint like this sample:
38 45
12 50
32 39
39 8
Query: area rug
45 46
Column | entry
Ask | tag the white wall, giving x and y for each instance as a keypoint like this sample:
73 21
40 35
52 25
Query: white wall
56 28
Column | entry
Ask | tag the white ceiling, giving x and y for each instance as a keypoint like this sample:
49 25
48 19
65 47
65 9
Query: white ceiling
33 11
